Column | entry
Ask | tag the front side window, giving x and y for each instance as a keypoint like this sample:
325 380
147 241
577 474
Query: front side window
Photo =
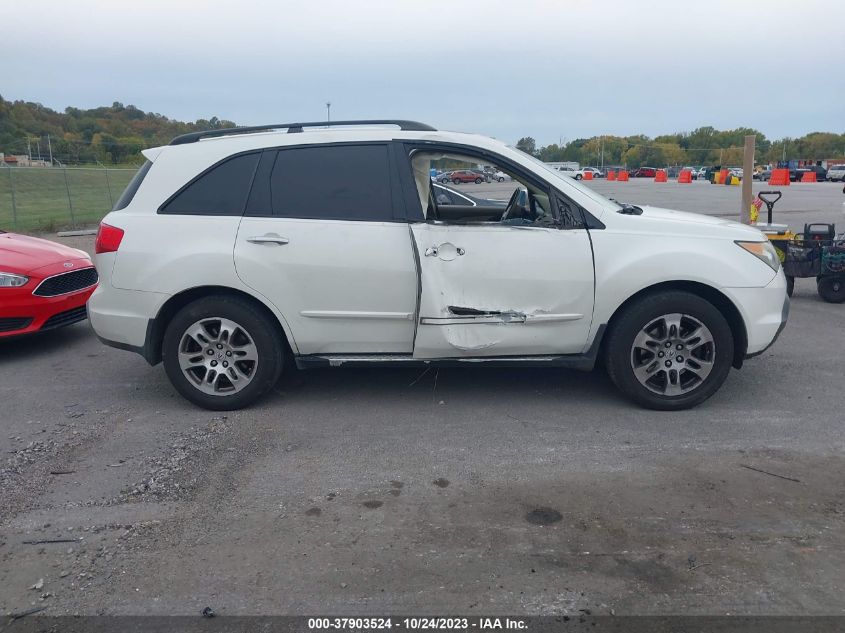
339 182
517 203
222 190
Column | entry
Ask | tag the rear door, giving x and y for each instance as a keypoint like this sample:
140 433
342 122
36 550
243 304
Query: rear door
324 239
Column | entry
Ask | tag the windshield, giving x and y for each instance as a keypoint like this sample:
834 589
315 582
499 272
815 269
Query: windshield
570 182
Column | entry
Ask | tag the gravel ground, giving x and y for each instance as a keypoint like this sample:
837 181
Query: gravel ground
470 490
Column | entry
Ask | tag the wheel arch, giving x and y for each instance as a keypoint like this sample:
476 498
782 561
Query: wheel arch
157 325
708 293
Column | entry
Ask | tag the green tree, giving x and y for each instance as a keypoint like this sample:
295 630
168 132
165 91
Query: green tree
528 145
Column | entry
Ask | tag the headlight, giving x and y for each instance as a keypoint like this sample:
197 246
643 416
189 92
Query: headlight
764 251
11 280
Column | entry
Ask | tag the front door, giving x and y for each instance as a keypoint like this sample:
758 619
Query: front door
494 289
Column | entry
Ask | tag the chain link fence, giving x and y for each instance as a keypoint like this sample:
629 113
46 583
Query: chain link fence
49 199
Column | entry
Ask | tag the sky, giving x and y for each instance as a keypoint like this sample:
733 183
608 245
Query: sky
553 70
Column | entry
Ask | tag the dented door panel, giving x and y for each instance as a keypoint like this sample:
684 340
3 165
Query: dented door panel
496 290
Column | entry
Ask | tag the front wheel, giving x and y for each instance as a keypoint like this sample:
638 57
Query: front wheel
669 351
578 176
831 289
222 353
501 180
456 181
478 181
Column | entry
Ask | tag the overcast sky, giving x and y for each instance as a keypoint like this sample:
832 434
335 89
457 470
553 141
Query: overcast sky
548 69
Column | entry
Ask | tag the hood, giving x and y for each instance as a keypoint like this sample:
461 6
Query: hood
697 224
22 254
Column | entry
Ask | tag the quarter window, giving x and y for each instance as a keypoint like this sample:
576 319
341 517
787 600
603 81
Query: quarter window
341 182
220 191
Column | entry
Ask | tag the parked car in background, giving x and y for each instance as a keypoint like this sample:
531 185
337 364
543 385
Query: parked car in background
700 173
240 253
499 176
578 174
466 175
43 284
821 172
765 174
644 172
836 173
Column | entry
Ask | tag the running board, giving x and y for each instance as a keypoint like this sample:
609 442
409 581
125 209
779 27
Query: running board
583 362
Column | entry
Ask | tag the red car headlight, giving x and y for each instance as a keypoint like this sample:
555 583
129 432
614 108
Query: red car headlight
11 280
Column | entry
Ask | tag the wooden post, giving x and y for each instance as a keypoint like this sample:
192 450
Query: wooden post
747 179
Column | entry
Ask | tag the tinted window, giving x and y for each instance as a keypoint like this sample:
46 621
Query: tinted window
132 188
220 191
341 182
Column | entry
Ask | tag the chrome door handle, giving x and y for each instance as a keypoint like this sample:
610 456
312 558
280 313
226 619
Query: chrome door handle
268 239
432 251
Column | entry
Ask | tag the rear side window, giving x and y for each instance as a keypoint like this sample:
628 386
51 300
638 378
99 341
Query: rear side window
340 182
132 188
222 190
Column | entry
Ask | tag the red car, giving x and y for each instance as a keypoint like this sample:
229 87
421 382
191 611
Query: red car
645 172
43 285
463 175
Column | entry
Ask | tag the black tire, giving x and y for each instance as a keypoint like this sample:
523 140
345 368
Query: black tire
790 285
456 181
831 289
478 181
626 326
264 334
501 180
578 176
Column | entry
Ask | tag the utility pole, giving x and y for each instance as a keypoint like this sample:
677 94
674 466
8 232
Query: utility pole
328 111
747 178
50 146
602 153
29 150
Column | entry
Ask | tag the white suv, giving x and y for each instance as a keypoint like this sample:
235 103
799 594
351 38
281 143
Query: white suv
235 251
836 172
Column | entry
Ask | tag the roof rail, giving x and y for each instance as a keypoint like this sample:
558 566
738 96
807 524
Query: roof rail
193 137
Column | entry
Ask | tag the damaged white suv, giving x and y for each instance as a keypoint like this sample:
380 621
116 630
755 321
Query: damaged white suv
234 251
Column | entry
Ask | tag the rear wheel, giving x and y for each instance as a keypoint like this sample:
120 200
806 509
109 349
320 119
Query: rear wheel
222 353
831 289
456 181
578 176
669 351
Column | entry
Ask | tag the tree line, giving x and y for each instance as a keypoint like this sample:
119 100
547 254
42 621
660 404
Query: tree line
116 134
113 134
703 146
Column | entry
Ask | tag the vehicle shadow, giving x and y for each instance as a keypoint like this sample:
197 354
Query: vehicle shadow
421 386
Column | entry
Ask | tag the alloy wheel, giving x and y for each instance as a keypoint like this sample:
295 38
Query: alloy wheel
218 356
673 354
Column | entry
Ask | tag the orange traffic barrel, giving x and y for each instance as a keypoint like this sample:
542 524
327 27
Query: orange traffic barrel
809 176
660 176
611 175
588 175
622 176
685 176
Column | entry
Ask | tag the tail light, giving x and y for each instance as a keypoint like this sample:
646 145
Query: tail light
108 239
